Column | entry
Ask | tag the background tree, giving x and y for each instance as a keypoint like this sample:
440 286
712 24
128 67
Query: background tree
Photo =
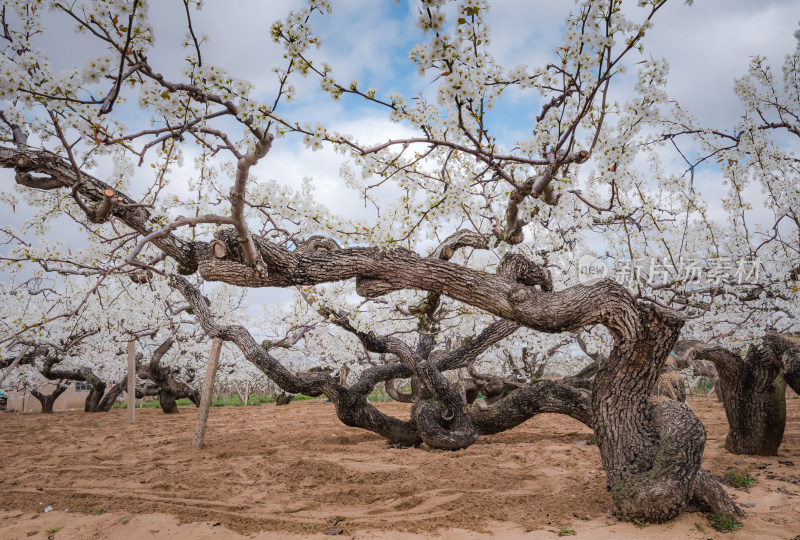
747 330
753 391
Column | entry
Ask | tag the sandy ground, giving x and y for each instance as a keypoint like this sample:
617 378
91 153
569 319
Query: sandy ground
280 472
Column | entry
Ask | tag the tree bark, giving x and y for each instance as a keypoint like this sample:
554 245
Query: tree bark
526 402
791 365
170 389
753 393
92 403
107 403
651 451
709 496
283 399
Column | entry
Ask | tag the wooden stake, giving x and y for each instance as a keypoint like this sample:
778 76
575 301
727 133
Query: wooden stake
207 394
14 363
131 381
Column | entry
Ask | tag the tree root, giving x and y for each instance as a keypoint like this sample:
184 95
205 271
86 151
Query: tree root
709 496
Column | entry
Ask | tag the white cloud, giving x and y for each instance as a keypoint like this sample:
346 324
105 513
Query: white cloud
707 44
711 43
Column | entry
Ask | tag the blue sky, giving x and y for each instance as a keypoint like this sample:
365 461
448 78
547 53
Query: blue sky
707 44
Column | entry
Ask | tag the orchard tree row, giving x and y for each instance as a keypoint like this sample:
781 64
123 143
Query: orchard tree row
476 245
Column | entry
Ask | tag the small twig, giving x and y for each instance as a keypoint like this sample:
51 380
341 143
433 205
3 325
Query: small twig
109 103
191 31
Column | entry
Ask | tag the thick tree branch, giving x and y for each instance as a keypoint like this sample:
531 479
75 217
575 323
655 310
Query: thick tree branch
60 173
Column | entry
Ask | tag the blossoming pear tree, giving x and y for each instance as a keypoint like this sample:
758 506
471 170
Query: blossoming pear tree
75 330
478 221
749 333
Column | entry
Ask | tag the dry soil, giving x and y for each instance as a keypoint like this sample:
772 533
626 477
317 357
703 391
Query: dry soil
278 472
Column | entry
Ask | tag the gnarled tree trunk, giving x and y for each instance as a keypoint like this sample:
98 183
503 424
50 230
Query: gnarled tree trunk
651 451
92 403
791 365
107 403
82 374
530 400
170 389
753 393
283 399
47 401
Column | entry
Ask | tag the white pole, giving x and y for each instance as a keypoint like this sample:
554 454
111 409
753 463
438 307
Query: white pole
131 381
207 393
